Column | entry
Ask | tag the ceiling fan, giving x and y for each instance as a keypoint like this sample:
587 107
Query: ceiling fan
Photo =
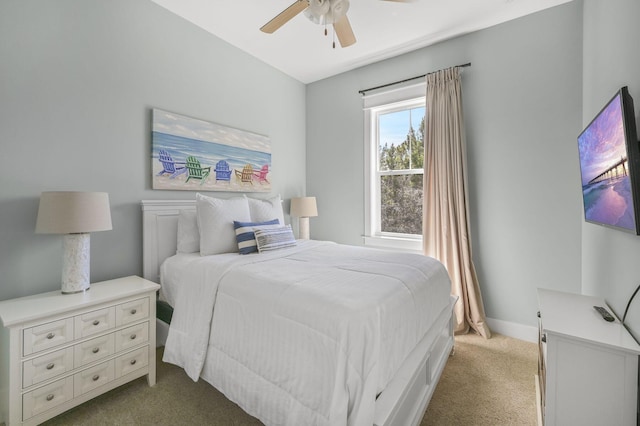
324 12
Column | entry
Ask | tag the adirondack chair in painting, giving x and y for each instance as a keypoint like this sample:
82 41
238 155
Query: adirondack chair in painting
223 172
261 175
195 170
246 175
170 167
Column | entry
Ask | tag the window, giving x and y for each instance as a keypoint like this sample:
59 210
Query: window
394 144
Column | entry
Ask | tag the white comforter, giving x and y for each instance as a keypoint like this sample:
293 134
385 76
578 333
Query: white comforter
307 335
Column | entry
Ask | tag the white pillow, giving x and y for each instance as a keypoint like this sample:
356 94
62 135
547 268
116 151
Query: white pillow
215 220
264 210
188 232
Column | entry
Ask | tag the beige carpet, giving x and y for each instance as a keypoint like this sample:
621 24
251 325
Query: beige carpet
486 382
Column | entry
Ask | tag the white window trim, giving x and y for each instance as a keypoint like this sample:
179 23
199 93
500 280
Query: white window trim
396 98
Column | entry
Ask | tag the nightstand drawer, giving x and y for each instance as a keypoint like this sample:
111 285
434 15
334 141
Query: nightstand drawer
129 312
47 336
93 350
132 336
47 366
44 398
92 378
132 361
94 322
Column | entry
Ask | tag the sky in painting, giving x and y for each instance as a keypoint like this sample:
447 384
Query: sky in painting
192 128
602 143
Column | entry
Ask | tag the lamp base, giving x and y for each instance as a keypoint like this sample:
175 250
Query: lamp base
76 262
303 228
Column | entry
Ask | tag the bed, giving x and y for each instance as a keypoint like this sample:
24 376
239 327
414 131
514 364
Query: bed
312 333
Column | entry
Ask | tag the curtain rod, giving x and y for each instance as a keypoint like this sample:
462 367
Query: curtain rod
362 92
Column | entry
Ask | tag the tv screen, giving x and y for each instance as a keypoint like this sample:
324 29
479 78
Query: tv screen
609 165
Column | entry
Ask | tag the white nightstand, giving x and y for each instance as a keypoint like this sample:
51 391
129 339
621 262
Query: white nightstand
587 367
60 350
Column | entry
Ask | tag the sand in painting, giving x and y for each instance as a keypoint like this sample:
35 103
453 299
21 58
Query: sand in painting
179 183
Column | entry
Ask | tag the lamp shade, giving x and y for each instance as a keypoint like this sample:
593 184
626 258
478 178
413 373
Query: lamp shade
73 212
304 207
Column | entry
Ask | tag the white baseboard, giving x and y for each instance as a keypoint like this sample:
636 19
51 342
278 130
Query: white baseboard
515 330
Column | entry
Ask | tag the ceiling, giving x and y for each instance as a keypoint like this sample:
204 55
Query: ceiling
383 29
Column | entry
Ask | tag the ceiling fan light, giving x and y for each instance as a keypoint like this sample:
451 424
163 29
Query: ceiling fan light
319 7
339 8
326 12
316 19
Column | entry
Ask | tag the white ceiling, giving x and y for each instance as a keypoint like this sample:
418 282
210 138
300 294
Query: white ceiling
383 29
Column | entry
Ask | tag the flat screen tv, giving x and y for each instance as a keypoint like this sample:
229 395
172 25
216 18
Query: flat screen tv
610 166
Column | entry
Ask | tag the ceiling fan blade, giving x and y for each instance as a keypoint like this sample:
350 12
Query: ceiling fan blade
344 32
285 16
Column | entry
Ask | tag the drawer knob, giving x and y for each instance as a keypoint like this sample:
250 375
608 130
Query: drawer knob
133 362
96 322
51 336
132 337
95 350
50 366
50 397
133 311
95 378
544 338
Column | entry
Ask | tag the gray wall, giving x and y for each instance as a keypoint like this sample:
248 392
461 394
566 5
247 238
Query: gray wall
610 258
78 80
523 103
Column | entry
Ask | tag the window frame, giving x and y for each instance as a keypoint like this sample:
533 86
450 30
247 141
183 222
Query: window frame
397 99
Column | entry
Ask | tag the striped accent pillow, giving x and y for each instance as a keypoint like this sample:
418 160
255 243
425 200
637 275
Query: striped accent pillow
274 238
245 234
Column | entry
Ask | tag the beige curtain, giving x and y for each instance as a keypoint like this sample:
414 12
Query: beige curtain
445 214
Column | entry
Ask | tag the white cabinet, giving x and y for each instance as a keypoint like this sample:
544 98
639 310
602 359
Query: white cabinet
588 367
60 350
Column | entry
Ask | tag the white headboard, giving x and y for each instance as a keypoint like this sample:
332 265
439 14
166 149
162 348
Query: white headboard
160 232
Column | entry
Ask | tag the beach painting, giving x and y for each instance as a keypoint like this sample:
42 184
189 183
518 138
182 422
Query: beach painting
189 154
604 166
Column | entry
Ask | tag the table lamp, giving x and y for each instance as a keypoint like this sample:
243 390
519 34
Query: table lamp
303 208
74 214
